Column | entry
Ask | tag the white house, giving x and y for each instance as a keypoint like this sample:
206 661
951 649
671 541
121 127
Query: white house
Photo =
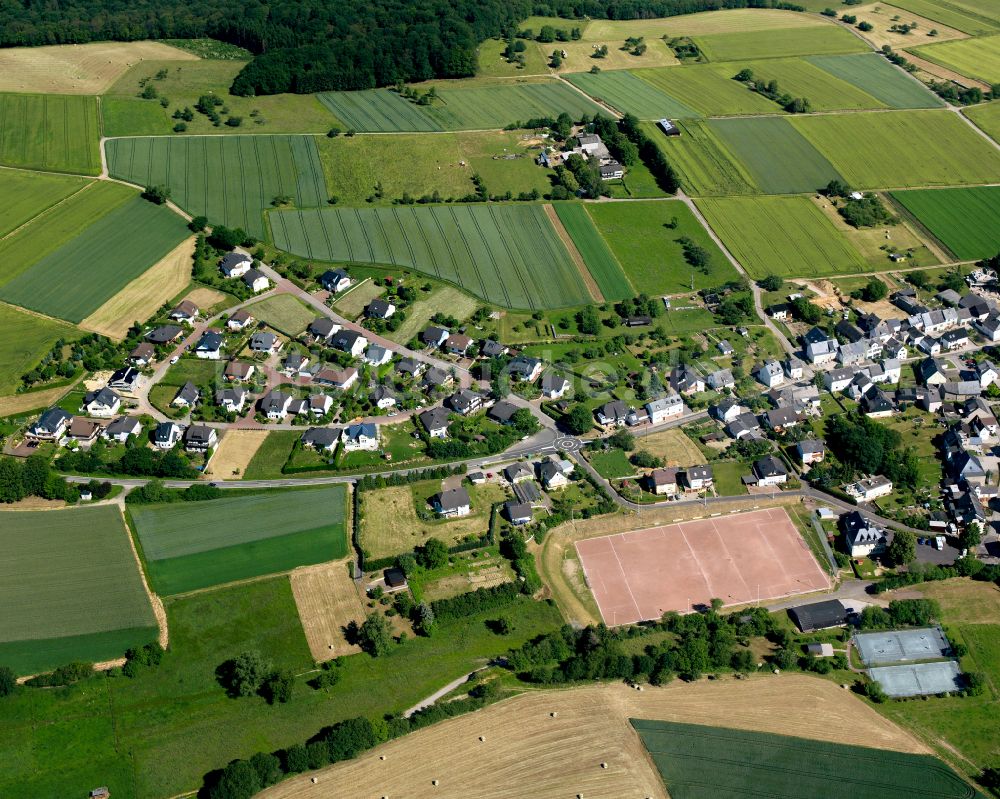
209 346
698 478
663 482
200 438
669 407
341 379
121 428
231 400
320 404
335 280
103 403
235 264
256 281
166 435
838 379
822 352
275 405
453 502
240 320
360 437
870 488
554 386
769 471
349 341
435 422
862 538
377 355
770 374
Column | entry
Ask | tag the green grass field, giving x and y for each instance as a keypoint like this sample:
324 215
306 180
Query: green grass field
70 588
649 251
705 165
966 221
26 195
285 313
156 735
192 545
975 17
612 464
99 262
820 40
779 158
507 254
229 179
902 149
802 78
480 107
873 74
595 251
52 132
699 762
977 58
708 89
24 339
630 95
987 117
781 236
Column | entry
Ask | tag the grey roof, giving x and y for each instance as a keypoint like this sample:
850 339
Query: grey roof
436 377
434 419
522 365
262 340
164 334
210 341
53 418
252 275
102 396
769 466
231 259
333 276
552 381
819 615
491 348
198 434
345 339
517 510
378 308
615 409
462 401
322 327
123 424
321 437
188 392
811 445
164 429
275 401
453 499
434 335
503 411
408 365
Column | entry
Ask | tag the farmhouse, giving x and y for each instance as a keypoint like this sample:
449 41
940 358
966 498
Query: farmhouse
187 396
240 320
200 438
256 281
166 435
612 170
453 502
185 311
235 264
103 403
209 346
435 422
360 437
321 439
862 539
335 280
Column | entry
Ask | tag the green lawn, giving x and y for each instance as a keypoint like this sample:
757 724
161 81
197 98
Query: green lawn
509 255
199 371
271 455
612 463
821 40
649 251
873 74
70 588
966 221
706 167
596 254
50 132
728 478
113 253
901 149
28 194
781 235
155 736
285 314
24 339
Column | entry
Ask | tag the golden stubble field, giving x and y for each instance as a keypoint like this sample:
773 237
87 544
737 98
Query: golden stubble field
235 451
551 743
327 600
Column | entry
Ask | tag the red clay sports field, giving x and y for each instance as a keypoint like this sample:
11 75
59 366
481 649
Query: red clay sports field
738 558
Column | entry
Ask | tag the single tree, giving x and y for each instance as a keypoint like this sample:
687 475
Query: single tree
375 636
903 548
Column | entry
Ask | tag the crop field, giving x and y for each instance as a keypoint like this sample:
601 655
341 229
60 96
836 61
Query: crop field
902 149
781 236
630 95
708 89
110 252
598 257
191 545
871 73
966 221
284 313
27 195
507 254
977 58
328 601
975 17
471 108
57 133
235 452
229 179
649 251
698 762
70 588
819 40
700 24
778 157
825 90
24 339
704 164
987 117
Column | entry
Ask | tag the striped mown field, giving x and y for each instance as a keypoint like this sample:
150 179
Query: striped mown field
600 261
26 195
57 133
507 254
966 221
229 179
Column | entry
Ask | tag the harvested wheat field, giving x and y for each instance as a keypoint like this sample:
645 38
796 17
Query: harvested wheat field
529 753
205 297
140 298
884 17
327 600
673 446
77 68
235 451
33 400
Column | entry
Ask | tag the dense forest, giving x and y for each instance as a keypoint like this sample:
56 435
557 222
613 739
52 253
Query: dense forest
315 45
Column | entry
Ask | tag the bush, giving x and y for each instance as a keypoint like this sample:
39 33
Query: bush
8 682
244 674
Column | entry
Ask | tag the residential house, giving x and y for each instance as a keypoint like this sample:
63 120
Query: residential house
452 502
458 344
103 403
125 379
503 412
930 398
554 386
437 378
852 354
335 280
434 336
770 374
121 428
987 373
821 352
518 512
164 334
231 400
265 342
929 345
810 451
894 348
769 471
240 320
794 368
295 364
870 488
518 472
491 348
525 369
876 404
384 397
235 264
380 309
612 170
410 367
664 408
780 312
143 354
466 401
200 438
955 339
966 467
663 482
989 327
725 348
274 405
744 426
931 373
185 311
721 379
321 439
435 422
209 346
166 435
238 371
83 431
322 329
377 355
341 379
349 341
320 404
781 419
360 437
958 390
848 332
698 478
727 410
298 407
187 396
612 413
256 281
552 475
978 307
862 539
860 385
948 297
685 380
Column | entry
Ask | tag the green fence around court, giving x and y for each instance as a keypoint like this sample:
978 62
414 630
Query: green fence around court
509 255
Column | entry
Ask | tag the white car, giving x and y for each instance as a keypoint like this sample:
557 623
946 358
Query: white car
175 359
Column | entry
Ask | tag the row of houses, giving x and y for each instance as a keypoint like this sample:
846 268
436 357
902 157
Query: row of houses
616 413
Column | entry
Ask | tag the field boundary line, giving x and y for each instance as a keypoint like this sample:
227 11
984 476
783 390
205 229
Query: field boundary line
574 253
159 612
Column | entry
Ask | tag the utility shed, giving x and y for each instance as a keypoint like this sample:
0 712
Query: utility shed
819 616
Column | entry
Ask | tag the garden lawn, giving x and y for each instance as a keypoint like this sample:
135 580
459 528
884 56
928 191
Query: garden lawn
977 58
229 179
649 251
174 723
612 464
57 133
285 313
780 159
873 74
24 339
28 194
902 149
598 257
704 164
509 255
70 588
966 221
191 545
787 236
745 45
78 278
708 89
630 95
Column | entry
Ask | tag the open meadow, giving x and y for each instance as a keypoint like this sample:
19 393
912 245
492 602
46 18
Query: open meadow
966 221
977 58
70 588
889 26
192 545
600 261
56 133
645 239
825 90
741 20
445 299
787 236
26 195
705 166
114 256
285 313
902 149
24 339
987 117
234 453
229 179
507 254
328 600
